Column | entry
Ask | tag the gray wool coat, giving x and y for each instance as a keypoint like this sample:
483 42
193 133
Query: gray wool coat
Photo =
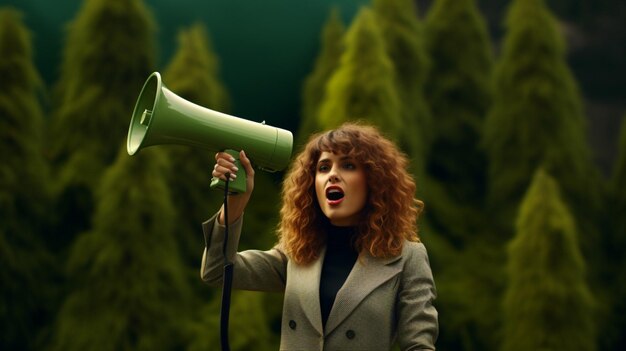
382 301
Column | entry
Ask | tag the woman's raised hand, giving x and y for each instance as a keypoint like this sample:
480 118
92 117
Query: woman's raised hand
225 163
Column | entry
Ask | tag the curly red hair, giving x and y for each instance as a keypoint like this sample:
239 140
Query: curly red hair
390 214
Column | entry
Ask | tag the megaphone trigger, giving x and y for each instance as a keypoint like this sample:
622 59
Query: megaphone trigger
236 186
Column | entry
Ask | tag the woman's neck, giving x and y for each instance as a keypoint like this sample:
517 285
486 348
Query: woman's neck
340 237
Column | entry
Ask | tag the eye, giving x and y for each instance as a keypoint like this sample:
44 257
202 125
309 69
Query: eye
323 168
349 165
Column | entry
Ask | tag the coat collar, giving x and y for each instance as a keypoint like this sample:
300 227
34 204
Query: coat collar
367 274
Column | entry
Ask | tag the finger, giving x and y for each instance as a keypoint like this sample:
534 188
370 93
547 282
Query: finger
226 167
220 172
227 164
225 156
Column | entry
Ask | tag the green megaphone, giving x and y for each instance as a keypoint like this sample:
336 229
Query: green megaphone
162 117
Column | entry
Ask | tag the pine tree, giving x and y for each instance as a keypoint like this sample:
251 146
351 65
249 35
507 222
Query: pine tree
193 74
548 305
249 327
315 83
363 86
470 281
24 169
537 120
614 338
459 92
128 288
26 268
403 38
108 55
617 189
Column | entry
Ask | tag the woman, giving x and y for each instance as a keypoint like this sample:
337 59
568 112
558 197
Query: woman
354 273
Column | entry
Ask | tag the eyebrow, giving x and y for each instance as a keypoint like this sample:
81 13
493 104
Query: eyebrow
343 158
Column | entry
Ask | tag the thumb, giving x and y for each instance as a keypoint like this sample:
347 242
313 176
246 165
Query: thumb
246 163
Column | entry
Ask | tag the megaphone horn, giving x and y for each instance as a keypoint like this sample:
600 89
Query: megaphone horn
162 117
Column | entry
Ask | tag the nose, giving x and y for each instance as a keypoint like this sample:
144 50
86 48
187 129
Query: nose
333 177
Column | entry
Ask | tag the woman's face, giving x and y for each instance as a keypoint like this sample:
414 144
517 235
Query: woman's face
341 188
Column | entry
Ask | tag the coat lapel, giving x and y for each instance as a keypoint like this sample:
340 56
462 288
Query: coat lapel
367 274
308 278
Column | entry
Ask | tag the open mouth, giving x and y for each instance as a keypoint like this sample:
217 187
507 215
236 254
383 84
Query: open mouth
334 195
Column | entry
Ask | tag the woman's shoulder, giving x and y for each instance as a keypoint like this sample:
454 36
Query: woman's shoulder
413 247
414 251
416 263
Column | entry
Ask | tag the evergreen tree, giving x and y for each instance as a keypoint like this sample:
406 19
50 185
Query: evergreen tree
128 288
193 72
403 38
617 189
537 120
548 305
459 92
615 339
25 266
315 83
108 55
193 75
248 325
469 282
363 86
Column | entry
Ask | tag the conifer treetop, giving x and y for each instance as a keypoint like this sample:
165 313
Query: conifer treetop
16 49
107 44
194 70
402 33
547 304
24 171
363 86
314 88
537 118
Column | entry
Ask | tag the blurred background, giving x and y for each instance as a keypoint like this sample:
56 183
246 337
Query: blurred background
511 113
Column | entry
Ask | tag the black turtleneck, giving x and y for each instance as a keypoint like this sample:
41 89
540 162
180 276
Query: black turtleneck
338 262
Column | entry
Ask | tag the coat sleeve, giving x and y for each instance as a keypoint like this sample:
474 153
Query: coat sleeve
418 325
252 269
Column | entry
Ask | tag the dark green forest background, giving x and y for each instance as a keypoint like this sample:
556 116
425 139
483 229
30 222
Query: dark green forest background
512 113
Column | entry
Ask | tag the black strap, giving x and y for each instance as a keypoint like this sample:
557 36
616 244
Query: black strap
227 277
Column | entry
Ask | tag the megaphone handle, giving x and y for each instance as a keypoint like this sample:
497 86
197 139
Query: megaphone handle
234 186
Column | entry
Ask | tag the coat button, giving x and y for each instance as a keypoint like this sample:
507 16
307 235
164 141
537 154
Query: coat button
292 324
350 334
